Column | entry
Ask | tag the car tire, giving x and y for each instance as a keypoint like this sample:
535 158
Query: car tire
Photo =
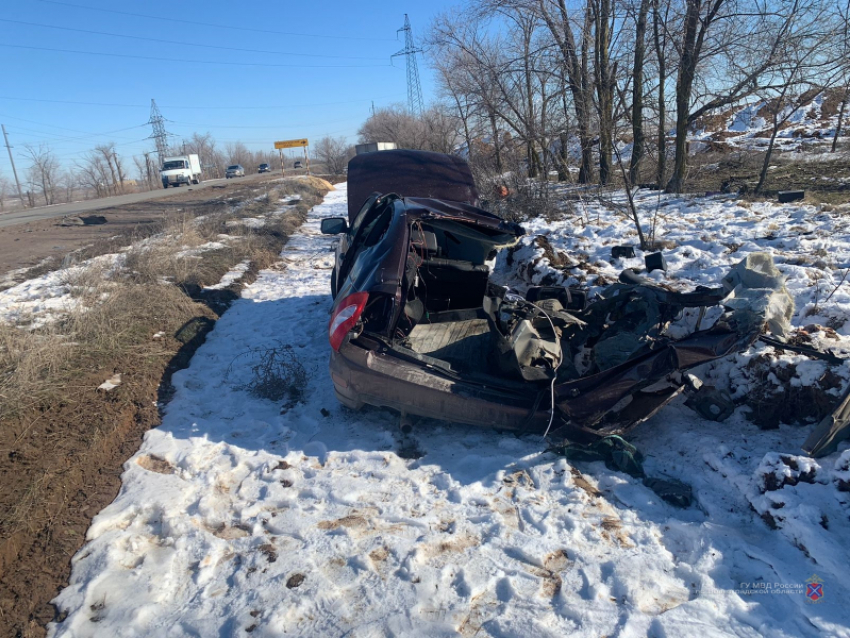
165 185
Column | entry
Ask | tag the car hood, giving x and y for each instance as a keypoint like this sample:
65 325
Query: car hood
484 222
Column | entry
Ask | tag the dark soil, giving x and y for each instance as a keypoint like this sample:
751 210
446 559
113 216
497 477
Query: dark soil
67 458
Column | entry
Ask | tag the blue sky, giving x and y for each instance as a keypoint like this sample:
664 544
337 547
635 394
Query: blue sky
343 64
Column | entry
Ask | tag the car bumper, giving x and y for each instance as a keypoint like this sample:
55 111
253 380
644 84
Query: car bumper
362 376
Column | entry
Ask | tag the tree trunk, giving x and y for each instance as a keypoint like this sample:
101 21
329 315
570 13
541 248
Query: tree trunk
638 137
533 160
120 169
577 78
661 133
840 119
497 144
684 83
604 88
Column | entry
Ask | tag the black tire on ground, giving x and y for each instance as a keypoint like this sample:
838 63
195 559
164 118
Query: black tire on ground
165 185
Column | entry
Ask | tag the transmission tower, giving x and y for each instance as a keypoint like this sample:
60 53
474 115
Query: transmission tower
414 88
159 135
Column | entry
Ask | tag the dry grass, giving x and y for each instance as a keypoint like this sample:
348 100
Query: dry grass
120 308
38 367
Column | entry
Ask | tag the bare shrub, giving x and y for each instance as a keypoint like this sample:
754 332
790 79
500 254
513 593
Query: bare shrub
276 374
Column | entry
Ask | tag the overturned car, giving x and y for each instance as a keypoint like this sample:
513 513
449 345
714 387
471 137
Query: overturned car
418 326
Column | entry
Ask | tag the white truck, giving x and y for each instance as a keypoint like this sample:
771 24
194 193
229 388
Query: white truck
181 169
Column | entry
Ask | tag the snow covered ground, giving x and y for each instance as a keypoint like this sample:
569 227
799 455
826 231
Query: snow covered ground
238 518
40 300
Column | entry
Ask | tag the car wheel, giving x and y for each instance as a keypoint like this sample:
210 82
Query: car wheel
165 185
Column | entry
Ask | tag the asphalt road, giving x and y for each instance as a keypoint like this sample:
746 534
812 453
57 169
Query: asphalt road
88 206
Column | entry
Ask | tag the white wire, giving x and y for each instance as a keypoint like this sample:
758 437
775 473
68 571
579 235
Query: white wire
554 371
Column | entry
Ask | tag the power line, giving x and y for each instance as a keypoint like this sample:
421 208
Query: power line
190 44
159 18
213 62
73 130
238 126
198 107
76 153
69 138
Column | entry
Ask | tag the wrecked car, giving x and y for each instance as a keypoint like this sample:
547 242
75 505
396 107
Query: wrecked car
418 326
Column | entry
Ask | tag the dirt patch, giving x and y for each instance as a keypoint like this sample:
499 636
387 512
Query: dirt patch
153 463
825 182
351 521
295 581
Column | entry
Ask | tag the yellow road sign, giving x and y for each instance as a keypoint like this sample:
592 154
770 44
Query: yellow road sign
291 143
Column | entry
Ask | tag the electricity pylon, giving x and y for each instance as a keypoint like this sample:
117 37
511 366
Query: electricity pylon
159 135
414 88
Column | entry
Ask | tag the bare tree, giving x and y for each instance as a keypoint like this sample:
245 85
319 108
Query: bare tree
43 171
575 61
147 171
5 189
334 152
432 131
238 153
736 51
205 147
94 174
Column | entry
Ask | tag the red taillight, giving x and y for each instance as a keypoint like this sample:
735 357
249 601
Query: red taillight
346 315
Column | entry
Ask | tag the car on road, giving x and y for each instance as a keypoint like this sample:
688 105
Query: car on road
297 165
264 168
418 326
235 170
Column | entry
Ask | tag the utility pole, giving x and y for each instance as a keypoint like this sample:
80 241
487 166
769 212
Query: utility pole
414 88
12 160
148 170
